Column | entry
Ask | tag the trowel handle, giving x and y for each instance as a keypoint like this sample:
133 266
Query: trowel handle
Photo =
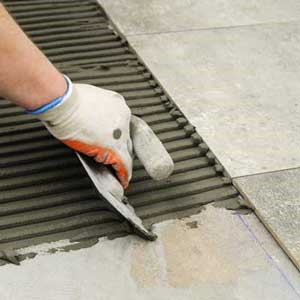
149 149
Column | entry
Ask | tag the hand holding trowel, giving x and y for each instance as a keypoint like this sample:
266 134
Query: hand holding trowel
99 124
153 156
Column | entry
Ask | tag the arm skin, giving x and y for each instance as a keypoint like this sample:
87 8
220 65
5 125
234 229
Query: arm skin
27 77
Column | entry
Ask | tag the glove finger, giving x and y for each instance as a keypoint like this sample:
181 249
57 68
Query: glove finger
122 164
130 148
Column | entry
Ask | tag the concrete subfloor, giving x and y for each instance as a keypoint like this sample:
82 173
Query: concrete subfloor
233 67
213 255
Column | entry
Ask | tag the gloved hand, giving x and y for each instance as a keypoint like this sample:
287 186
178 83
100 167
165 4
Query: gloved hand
92 121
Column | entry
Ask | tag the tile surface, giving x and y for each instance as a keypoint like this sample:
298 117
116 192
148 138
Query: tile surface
142 16
210 256
276 200
238 86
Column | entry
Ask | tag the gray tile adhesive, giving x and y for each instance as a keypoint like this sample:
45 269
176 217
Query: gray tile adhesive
46 196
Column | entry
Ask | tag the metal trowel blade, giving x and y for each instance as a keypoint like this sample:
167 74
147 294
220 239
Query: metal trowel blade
112 191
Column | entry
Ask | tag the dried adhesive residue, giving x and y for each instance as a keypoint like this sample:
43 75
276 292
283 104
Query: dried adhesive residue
145 267
202 249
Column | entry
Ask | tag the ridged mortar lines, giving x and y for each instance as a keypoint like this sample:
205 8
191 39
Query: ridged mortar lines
45 194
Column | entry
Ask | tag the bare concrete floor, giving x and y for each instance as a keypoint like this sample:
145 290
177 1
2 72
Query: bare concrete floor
213 255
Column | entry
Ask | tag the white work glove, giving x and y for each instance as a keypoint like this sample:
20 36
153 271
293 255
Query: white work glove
92 121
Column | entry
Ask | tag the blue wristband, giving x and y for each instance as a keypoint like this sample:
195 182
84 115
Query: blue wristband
54 102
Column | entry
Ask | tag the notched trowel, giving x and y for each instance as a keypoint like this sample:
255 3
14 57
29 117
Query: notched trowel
156 161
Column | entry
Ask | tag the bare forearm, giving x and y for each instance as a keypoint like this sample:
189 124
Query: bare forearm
27 78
